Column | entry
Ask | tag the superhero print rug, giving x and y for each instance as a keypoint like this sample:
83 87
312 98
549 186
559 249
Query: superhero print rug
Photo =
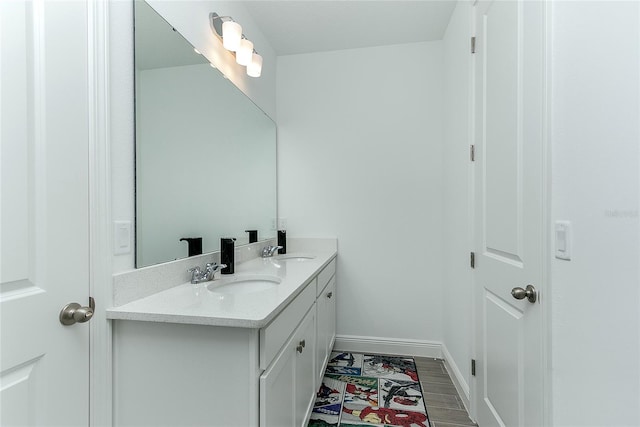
368 389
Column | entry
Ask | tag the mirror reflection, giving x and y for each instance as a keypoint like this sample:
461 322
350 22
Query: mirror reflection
205 154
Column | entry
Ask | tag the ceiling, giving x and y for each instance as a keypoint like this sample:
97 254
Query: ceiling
306 26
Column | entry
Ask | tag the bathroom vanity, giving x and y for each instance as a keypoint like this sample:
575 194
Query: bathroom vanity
218 355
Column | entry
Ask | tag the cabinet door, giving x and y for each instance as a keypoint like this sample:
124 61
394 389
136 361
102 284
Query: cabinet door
277 390
321 334
330 296
326 307
287 387
305 372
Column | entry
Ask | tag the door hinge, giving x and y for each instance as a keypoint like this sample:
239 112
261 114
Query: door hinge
472 153
473 367
473 45
472 259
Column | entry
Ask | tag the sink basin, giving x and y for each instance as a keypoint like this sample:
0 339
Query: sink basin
238 285
294 257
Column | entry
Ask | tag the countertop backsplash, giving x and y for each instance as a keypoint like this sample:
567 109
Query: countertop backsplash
142 282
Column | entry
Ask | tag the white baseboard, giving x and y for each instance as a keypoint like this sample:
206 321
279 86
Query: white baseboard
456 376
381 345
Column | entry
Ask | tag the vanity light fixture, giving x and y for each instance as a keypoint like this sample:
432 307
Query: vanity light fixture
244 52
254 69
231 35
230 32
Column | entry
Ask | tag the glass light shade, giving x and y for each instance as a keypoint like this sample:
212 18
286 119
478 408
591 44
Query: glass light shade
231 35
254 69
244 52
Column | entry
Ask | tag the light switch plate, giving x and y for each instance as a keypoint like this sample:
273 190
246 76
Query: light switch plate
121 237
563 240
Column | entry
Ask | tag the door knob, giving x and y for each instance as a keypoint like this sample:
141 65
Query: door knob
75 313
529 293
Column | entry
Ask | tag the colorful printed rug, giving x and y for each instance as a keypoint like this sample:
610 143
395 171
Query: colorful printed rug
367 389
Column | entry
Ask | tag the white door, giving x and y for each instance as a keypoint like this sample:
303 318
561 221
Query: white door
44 260
509 138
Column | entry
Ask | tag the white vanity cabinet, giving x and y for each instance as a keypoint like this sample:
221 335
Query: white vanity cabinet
184 374
287 387
326 314
290 381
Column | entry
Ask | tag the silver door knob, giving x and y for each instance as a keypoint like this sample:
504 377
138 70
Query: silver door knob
529 293
75 313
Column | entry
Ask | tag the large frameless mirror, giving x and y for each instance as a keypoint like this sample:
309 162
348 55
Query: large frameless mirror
205 153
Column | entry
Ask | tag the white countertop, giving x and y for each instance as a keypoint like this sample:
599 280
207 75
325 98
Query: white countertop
195 304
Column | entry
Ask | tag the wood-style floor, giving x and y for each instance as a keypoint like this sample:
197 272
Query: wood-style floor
444 405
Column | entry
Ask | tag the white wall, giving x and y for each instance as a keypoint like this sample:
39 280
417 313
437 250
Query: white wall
457 233
595 140
191 19
359 157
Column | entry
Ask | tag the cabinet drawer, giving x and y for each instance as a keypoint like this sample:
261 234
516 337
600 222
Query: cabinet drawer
274 335
325 275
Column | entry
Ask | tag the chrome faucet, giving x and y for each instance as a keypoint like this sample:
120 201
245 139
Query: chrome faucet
198 275
269 250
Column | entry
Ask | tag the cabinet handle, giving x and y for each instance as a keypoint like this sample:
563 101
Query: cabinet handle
330 294
299 348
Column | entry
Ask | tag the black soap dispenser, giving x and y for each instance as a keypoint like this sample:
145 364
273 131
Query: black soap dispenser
282 241
195 245
253 235
227 254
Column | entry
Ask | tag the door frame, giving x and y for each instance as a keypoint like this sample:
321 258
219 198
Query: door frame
544 288
547 237
100 259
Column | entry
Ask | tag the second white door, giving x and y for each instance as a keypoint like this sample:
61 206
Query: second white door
509 209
